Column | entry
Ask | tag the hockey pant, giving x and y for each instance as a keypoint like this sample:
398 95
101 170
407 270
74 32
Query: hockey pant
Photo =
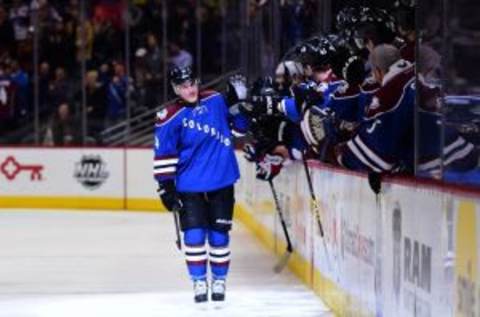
206 220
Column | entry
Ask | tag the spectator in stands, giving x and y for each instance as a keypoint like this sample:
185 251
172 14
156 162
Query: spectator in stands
179 57
7 99
22 83
154 71
64 128
7 36
105 74
43 90
85 39
56 45
59 88
107 43
117 94
20 18
96 104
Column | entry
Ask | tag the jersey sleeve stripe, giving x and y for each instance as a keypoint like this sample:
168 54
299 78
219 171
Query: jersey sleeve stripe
165 162
358 154
460 154
458 142
373 156
164 170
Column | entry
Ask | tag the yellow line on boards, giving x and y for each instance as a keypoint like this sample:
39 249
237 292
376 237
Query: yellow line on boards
81 203
338 300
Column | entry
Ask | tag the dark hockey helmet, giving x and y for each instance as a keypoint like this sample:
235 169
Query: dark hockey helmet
317 52
360 24
180 75
405 14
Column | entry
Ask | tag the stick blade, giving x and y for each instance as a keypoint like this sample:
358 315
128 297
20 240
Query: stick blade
282 263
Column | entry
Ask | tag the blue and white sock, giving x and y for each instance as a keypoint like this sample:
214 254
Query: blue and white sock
196 252
219 253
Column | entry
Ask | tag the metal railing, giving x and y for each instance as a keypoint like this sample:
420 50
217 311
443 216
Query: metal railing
138 130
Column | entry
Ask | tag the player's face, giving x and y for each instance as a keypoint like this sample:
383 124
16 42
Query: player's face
188 91
322 75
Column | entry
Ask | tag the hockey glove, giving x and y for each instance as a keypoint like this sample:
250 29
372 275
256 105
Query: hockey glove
249 152
269 167
265 105
306 96
237 94
169 196
237 88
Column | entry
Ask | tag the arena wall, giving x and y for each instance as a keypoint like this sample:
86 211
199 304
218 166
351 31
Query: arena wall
410 252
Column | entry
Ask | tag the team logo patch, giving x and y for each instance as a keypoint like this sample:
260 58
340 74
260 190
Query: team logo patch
162 114
375 104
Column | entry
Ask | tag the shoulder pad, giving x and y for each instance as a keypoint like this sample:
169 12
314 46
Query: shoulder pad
167 113
207 93
389 97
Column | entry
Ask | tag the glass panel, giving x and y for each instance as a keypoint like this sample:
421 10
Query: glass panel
105 69
430 85
462 115
17 109
55 27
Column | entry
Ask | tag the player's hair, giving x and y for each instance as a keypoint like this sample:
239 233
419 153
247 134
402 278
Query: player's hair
383 56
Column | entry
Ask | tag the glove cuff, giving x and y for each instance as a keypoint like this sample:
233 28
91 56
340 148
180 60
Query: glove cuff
167 186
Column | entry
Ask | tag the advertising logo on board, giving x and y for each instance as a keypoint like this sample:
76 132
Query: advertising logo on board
397 252
91 171
11 168
466 261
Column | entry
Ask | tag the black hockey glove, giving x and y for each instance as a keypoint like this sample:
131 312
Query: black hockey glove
249 152
169 196
306 97
264 98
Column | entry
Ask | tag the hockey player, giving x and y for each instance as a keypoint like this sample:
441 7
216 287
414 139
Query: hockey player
276 140
365 28
384 140
317 56
196 168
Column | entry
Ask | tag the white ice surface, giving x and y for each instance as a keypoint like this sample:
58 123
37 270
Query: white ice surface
102 264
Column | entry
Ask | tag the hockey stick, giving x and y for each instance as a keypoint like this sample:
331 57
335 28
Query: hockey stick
316 210
286 256
178 240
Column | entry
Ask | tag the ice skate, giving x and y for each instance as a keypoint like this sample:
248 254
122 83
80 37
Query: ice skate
200 289
218 290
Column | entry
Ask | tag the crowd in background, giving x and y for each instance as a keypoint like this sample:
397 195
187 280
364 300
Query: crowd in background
77 43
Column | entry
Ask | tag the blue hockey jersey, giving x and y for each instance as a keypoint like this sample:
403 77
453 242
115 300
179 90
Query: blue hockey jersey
291 110
194 144
383 141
